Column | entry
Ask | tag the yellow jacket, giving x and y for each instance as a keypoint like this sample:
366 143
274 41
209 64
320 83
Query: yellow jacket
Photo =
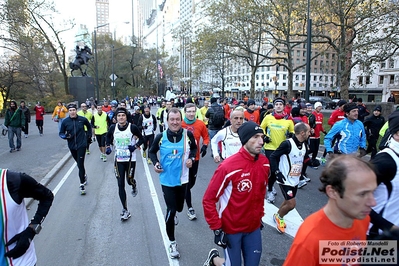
61 111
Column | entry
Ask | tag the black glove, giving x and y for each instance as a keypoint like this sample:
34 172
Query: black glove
267 139
145 126
221 238
280 177
23 240
89 140
325 132
108 151
362 152
132 148
203 150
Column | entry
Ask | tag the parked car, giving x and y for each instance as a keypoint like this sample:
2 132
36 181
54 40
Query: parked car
325 101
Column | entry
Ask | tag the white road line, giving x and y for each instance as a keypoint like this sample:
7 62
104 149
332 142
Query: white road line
292 219
64 178
158 211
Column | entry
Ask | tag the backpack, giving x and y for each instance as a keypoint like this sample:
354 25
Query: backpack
218 117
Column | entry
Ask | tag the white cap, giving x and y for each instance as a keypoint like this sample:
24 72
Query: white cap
317 104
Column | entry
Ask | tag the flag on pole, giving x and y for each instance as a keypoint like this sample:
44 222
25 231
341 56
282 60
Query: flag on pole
160 69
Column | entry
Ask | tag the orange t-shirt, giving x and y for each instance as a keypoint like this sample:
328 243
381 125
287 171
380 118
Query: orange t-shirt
254 116
199 130
305 248
226 108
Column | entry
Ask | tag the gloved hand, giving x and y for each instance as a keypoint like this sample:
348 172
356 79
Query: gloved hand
280 177
145 127
267 139
132 148
108 151
89 140
203 150
221 239
325 132
362 152
65 136
22 240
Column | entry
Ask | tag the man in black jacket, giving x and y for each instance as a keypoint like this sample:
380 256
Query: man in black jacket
72 129
213 126
373 124
26 112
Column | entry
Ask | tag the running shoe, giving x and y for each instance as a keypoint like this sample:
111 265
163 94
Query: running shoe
149 161
271 198
302 183
144 154
82 190
135 191
191 214
87 152
307 179
176 220
274 191
104 158
212 254
173 252
280 224
323 161
85 183
125 215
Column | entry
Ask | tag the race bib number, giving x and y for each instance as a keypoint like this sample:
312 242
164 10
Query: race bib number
296 170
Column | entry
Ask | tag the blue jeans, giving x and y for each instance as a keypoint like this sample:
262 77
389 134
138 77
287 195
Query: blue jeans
11 132
60 122
250 244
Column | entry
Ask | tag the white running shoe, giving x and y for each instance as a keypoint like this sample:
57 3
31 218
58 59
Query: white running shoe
125 215
173 252
191 214
82 190
274 191
271 197
176 220
302 183
85 183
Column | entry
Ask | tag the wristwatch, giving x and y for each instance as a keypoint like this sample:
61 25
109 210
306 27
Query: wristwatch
217 232
36 227
277 172
192 159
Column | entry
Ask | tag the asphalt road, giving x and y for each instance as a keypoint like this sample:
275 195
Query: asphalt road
86 230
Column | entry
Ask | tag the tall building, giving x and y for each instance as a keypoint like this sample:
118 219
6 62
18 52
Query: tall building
102 16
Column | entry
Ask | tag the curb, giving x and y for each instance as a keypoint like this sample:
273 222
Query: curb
50 175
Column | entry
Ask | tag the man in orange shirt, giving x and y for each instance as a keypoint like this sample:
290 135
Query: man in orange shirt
226 108
198 128
252 113
349 183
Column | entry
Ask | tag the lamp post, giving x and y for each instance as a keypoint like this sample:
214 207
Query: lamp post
308 54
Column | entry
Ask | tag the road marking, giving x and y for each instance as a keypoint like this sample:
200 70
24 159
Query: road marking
64 178
292 219
158 211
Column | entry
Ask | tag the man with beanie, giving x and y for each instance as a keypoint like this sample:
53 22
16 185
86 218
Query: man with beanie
73 130
386 168
127 138
251 113
199 130
277 127
265 110
286 162
362 109
351 135
215 114
15 121
336 115
373 124
239 187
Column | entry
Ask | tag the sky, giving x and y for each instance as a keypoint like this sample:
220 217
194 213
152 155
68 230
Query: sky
84 12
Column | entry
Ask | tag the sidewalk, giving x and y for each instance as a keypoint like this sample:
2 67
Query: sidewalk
40 156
